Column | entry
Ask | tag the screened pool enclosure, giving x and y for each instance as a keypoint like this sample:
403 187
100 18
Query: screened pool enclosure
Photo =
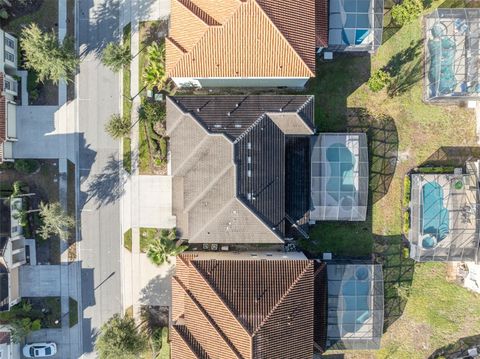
452 54
444 217
355 306
339 177
355 25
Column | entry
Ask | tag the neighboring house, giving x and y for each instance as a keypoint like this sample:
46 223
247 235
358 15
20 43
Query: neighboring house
12 252
251 43
240 166
8 349
444 220
242 305
8 88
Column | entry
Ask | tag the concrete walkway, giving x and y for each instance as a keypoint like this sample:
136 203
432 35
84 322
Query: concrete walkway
148 199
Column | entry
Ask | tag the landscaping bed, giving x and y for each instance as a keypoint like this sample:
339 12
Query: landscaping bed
47 309
127 102
71 211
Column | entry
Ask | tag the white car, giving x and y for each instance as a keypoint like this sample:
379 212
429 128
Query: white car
40 350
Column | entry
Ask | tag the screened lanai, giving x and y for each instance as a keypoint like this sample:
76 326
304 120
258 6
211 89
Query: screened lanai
452 54
444 217
339 177
355 306
355 25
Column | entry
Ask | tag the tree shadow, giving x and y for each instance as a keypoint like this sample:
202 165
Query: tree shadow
106 187
458 349
397 276
157 291
452 156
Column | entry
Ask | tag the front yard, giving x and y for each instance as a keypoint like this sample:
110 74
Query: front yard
423 311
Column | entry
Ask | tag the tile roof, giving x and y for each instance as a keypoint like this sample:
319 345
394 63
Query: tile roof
229 169
3 118
250 38
243 308
321 23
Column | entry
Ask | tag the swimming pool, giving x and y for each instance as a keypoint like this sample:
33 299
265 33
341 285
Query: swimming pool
356 294
340 185
435 221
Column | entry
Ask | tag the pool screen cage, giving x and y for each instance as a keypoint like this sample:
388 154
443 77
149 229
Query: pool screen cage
444 217
451 65
339 177
355 25
355 306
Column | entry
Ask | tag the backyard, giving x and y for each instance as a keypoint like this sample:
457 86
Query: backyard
423 311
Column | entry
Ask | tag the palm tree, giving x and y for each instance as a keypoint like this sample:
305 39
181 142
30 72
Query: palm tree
115 56
164 246
118 126
154 73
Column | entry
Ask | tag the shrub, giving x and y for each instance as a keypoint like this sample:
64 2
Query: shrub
154 73
6 166
444 169
406 252
407 11
378 80
407 186
151 112
118 126
115 56
26 166
406 222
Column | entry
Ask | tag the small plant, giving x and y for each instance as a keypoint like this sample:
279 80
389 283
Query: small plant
406 222
115 56
407 187
406 252
118 126
26 166
163 247
151 112
407 11
154 74
379 80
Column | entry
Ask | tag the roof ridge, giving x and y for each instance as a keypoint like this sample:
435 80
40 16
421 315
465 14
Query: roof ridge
199 271
176 44
249 128
214 217
284 38
199 12
280 301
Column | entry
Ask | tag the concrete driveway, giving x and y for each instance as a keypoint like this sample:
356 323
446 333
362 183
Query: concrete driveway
155 202
40 281
52 335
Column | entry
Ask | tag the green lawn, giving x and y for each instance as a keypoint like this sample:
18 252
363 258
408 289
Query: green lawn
147 235
127 103
127 240
72 311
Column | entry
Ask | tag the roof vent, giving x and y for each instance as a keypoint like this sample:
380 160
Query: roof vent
236 105
249 173
281 110
238 126
228 114
198 109
249 145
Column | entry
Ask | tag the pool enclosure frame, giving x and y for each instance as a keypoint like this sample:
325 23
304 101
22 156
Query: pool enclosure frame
345 19
326 204
368 313
461 243
452 55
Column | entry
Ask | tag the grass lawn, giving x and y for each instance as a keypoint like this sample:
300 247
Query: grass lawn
423 311
146 237
127 240
72 311
127 103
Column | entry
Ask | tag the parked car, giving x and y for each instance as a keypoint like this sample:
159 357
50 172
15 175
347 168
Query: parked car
40 350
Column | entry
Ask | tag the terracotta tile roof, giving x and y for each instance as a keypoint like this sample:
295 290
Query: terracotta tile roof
251 38
4 338
321 23
3 118
245 309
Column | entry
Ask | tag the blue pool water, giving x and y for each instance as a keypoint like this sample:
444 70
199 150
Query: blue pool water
434 215
342 162
356 295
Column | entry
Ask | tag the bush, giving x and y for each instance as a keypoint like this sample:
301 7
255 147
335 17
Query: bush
115 56
443 169
26 166
407 186
152 112
406 252
127 240
378 80
118 126
6 166
406 222
407 11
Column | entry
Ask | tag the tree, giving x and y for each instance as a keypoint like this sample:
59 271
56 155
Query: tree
163 247
115 56
154 73
118 126
43 54
407 11
379 80
54 221
120 338
20 328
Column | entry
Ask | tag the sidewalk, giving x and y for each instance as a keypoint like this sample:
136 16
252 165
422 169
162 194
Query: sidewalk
148 199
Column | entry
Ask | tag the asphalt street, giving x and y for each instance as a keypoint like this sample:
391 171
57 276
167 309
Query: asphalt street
98 166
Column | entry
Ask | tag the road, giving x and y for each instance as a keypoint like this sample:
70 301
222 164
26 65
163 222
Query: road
98 168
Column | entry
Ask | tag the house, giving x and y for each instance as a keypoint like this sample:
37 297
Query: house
12 252
240 166
8 349
452 55
444 221
8 88
250 43
240 305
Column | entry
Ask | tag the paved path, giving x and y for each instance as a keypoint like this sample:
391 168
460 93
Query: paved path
98 97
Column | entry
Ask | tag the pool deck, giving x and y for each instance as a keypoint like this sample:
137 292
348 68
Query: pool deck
462 207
